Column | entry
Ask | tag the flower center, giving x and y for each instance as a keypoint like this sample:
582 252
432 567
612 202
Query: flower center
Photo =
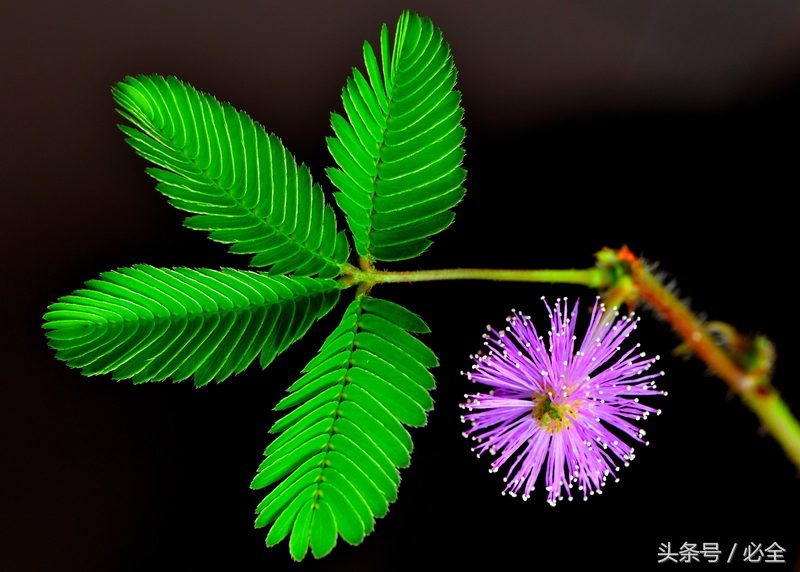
552 417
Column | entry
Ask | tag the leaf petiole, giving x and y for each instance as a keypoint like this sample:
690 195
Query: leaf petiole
595 277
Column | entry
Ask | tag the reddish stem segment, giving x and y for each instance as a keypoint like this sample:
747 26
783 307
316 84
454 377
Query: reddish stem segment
746 371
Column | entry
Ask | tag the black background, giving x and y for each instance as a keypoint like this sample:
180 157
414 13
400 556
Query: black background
669 128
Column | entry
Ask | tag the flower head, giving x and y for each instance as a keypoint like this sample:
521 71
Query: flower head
560 401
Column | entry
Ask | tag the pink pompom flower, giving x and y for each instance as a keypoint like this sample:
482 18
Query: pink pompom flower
558 401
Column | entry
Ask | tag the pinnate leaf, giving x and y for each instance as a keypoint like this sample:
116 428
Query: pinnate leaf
148 323
333 467
240 183
398 149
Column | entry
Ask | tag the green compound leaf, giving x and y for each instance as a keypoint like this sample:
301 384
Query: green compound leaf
241 183
334 464
399 150
149 323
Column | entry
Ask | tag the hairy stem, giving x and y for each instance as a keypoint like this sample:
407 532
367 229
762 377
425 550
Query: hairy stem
744 365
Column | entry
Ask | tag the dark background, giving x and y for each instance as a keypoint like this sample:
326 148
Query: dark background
667 126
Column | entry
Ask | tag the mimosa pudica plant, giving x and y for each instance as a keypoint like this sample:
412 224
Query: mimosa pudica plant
332 468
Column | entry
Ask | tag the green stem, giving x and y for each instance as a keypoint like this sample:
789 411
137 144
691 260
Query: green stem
596 277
